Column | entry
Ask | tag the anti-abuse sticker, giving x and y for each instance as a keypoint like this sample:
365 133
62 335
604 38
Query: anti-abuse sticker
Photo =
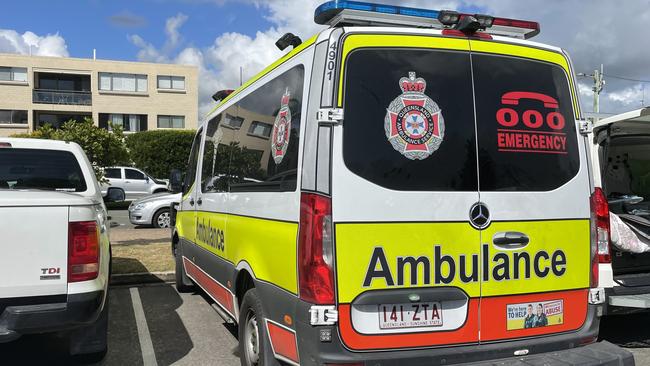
534 315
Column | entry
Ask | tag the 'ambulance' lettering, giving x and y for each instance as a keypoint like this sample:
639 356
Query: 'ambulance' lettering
445 268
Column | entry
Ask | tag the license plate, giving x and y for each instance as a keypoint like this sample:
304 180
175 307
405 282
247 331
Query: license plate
412 315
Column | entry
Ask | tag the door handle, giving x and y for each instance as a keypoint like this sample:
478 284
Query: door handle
510 239
191 201
199 201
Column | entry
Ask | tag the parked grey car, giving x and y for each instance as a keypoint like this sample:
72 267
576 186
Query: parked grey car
130 184
153 210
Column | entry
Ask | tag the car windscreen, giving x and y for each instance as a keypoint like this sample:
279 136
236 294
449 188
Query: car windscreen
415 119
409 121
527 136
40 169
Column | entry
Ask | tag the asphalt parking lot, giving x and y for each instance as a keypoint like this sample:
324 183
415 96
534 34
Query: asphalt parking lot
155 325
149 325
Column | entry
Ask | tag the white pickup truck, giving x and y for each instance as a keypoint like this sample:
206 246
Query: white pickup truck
54 245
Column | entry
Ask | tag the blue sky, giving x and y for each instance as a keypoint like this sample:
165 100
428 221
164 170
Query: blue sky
220 36
106 25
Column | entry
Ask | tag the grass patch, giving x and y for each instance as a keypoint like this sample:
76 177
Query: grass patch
142 258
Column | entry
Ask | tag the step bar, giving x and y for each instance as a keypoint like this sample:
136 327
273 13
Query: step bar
641 301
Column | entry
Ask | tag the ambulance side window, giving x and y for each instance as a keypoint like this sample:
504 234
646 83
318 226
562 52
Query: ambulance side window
527 135
190 174
264 153
216 155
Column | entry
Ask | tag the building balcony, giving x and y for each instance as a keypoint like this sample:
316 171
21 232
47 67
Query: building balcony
44 96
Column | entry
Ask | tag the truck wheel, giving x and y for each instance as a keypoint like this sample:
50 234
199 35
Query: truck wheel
254 344
161 219
89 344
183 283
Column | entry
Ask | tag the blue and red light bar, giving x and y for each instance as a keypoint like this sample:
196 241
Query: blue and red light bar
346 12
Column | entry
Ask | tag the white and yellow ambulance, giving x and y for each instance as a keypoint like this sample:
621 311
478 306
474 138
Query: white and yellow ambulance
407 187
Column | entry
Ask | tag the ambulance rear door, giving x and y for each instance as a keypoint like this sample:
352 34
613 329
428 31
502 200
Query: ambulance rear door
404 177
534 191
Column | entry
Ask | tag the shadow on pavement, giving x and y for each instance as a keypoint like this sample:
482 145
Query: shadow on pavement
627 330
170 338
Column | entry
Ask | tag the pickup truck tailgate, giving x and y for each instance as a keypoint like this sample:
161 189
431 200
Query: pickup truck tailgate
33 250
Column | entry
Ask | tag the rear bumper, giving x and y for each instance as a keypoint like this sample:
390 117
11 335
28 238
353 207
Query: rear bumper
77 310
601 353
571 348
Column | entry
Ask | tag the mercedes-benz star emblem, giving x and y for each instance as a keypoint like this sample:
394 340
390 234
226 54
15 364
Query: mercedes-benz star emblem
479 215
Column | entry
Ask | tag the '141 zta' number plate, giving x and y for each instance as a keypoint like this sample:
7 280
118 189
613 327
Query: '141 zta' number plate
413 315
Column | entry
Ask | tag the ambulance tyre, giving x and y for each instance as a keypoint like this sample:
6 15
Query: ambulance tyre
254 344
183 283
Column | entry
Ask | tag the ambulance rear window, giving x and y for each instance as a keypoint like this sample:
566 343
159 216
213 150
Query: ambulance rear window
433 148
527 137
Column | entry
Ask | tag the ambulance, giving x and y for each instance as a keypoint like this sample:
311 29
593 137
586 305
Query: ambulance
407 187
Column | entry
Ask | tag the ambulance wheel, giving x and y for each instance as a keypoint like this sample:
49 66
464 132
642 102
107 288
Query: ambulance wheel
183 283
254 345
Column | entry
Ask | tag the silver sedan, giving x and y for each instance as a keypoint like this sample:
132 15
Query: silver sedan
153 210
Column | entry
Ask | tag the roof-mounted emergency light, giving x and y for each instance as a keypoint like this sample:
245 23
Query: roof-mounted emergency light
337 13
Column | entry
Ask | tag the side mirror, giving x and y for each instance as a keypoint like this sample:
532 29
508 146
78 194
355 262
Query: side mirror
115 195
176 181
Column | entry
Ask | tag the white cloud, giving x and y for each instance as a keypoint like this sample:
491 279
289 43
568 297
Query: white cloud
171 29
29 42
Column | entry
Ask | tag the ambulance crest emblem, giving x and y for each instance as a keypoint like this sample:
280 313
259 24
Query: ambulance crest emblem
281 130
414 124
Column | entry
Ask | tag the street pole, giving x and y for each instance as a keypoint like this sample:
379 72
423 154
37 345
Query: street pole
599 83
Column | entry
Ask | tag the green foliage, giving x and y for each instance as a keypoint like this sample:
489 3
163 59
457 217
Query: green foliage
102 147
158 152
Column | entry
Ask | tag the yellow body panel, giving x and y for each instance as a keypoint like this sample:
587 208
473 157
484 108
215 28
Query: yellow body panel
572 237
268 246
186 225
357 245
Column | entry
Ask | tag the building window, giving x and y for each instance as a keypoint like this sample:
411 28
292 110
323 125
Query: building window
260 129
13 117
171 122
233 122
13 74
122 82
171 82
128 122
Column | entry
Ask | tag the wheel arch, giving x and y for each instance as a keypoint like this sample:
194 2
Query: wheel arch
244 280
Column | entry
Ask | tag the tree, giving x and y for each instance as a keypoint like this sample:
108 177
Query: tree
157 152
103 148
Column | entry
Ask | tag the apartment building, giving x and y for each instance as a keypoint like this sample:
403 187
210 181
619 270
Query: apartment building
138 96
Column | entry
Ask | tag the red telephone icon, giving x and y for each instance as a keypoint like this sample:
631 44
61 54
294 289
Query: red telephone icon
533 119
513 98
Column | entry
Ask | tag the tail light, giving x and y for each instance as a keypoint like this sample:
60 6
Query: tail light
600 233
83 251
315 250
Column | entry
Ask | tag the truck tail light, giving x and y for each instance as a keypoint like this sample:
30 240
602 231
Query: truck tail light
83 251
316 250
600 251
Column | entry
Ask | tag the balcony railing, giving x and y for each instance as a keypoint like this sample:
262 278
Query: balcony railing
62 97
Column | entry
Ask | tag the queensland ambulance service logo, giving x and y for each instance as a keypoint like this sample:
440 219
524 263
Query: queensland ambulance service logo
414 124
281 130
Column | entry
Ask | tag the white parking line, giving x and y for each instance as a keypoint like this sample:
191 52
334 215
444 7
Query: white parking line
146 346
